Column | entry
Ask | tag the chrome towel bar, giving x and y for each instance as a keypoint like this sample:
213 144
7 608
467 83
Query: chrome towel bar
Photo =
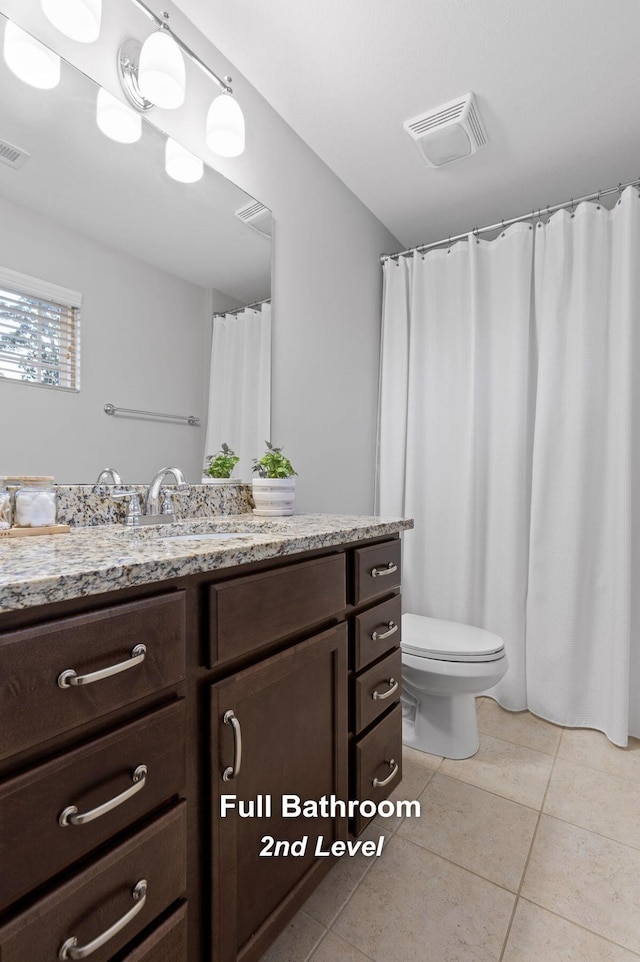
187 418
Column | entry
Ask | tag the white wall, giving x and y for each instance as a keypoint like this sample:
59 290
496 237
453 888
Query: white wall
144 342
327 278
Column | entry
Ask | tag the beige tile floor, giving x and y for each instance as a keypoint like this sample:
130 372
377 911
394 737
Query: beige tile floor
527 852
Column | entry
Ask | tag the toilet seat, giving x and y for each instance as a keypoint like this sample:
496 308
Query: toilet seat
448 640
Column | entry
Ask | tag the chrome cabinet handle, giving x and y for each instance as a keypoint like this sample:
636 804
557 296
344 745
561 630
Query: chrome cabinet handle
389 569
393 687
70 677
234 770
381 635
70 948
381 782
71 816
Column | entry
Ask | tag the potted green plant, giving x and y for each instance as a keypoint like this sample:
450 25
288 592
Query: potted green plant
274 488
218 467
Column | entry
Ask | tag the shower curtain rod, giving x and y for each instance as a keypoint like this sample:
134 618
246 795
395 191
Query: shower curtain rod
506 223
246 307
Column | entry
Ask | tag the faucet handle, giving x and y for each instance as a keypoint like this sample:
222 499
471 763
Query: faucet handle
179 490
132 516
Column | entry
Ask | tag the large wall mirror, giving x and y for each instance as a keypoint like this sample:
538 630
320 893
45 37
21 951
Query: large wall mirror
153 259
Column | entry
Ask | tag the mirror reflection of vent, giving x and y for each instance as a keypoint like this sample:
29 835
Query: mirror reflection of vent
12 156
256 215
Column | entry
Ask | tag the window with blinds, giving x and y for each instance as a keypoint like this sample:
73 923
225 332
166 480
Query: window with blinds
39 332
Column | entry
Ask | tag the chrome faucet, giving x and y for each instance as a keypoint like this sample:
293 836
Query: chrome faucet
106 473
153 507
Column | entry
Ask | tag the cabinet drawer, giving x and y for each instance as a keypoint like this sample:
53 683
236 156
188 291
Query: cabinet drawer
247 613
377 570
33 841
377 688
376 631
378 757
33 706
167 942
96 898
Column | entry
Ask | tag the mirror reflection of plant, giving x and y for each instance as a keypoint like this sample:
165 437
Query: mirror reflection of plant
273 464
221 465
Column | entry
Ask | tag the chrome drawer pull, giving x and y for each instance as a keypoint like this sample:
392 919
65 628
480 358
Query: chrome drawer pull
70 815
391 690
382 782
71 950
234 770
387 570
381 635
70 677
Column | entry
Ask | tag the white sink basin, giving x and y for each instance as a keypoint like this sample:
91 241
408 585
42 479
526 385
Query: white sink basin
205 536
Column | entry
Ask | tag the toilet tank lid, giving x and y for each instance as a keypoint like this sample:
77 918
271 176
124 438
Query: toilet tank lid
438 638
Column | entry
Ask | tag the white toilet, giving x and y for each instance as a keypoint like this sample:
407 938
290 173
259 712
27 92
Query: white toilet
444 666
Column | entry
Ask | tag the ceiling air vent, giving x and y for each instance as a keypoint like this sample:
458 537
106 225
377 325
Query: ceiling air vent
256 215
449 132
12 156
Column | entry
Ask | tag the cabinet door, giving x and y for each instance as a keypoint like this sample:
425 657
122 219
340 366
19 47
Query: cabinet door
291 710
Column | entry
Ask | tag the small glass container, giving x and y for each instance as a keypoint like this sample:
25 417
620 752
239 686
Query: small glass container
5 505
35 503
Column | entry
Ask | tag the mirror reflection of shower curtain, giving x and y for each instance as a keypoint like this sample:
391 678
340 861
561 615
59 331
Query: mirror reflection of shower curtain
240 388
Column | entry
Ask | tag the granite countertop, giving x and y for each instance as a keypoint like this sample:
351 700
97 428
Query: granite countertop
93 560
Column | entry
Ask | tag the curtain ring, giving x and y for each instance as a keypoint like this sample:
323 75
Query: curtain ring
532 220
502 235
476 234
548 214
539 224
449 247
619 193
572 209
598 198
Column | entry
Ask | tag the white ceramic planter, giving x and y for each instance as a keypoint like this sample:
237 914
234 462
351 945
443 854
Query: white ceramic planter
274 496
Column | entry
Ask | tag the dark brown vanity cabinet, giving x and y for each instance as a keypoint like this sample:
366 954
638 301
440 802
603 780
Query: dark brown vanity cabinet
127 717
280 728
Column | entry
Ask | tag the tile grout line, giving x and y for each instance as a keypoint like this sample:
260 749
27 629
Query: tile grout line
528 858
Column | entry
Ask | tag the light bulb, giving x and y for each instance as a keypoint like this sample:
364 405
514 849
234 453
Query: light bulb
116 120
225 127
181 164
77 19
29 59
161 73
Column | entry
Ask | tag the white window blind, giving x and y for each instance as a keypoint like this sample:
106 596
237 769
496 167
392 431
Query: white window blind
39 332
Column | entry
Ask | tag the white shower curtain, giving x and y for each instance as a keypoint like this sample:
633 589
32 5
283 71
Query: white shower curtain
505 431
239 411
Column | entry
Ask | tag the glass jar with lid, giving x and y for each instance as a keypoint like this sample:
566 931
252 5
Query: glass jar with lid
5 505
35 503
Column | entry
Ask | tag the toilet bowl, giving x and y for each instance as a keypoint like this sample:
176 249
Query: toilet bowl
444 666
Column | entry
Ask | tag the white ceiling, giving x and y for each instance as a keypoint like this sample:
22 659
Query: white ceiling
556 83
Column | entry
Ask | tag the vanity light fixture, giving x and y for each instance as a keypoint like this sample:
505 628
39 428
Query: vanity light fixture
116 120
77 19
181 164
29 59
151 75
161 73
225 127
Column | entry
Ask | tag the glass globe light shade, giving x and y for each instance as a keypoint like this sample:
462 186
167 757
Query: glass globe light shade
77 19
225 127
181 164
161 73
29 59
116 120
